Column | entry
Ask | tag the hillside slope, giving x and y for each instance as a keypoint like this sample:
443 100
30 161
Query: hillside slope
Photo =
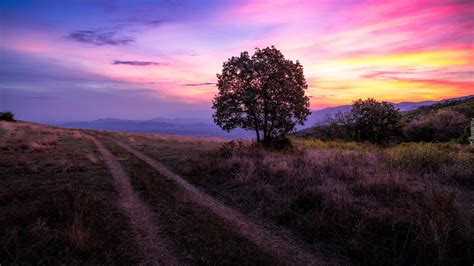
464 105
318 116
78 197
100 197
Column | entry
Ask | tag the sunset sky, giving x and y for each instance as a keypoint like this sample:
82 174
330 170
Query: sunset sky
81 60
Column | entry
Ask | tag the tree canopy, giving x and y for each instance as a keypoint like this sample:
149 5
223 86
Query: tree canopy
374 121
264 92
367 120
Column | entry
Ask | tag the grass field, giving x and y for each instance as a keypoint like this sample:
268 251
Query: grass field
344 203
410 203
57 200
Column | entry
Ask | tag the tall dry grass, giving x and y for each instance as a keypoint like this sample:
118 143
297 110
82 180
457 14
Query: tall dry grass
408 204
57 200
34 137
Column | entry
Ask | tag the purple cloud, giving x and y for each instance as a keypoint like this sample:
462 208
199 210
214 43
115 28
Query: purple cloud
199 84
137 63
99 38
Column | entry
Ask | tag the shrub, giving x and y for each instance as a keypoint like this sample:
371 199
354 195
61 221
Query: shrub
374 121
338 127
367 121
417 157
442 125
281 143
7 116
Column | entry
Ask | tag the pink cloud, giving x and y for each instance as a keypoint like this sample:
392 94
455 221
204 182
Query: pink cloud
321 34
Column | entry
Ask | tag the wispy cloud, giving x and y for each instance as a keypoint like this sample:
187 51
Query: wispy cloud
403 50
145 21
99 37
199 84
385 74
185 52
137 63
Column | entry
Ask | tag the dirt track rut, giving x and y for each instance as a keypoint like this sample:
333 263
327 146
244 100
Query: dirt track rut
156 250
281 246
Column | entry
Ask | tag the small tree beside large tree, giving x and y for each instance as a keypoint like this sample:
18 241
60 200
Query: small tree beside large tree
374 121
367 120
264 92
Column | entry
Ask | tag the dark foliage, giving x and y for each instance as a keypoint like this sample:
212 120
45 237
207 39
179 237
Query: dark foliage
374 121
464 106
264 92
444 121
7 116
333 128
441 125
368 120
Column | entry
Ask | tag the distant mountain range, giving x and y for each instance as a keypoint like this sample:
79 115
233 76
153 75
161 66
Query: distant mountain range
320 115
187 127
203 126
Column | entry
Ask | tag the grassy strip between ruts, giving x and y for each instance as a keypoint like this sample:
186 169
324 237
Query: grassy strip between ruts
200 237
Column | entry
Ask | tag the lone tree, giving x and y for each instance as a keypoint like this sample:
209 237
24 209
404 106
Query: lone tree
264 92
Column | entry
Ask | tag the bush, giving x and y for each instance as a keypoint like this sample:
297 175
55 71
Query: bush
374 121
367 121
338 127
442 125
418 157
7 116
281 143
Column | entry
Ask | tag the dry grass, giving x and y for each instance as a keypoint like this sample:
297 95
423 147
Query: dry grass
56 207
34 137
132 137
407 204
92 158
338 145
200 237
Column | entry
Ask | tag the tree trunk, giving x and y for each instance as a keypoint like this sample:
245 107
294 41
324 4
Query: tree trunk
257 131
267 139
266 130
264 135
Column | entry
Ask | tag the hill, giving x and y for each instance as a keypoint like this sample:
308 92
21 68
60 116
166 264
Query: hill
464 105
72 196
318 116
203 126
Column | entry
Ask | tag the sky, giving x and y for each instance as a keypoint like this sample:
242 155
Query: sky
82 60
